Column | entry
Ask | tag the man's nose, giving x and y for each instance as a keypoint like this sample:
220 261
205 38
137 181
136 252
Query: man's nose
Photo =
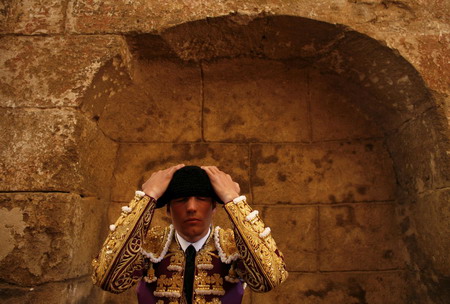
191 204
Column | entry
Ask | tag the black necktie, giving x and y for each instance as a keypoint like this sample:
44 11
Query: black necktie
189 270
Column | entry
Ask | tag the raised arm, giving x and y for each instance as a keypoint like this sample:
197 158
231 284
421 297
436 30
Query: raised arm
119 265
264 266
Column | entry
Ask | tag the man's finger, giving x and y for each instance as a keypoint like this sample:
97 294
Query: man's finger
172 169
215 170
207 169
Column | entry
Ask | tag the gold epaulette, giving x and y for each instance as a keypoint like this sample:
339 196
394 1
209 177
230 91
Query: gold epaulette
225 244
156 243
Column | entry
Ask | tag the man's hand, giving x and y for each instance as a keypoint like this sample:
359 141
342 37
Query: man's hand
158 182
223 184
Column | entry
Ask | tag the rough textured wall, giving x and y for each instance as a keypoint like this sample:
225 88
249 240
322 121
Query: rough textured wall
324 127
315 166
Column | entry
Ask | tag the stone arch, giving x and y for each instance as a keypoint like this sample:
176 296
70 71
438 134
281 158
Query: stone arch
385 101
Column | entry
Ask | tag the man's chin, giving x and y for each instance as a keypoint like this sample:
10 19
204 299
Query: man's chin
192 232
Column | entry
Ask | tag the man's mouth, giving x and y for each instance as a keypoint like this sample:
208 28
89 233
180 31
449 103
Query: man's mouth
192 220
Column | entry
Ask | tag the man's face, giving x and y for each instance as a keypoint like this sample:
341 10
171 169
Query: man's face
192 216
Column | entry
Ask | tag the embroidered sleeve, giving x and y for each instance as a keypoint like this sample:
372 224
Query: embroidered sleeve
264 266
119 264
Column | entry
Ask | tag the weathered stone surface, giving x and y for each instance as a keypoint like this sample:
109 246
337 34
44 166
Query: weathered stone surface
374 17
327 172
359 237
128 297
428 53
57 71
70 291
5 8
335 114
273 37
54 150
228 36
112 78
399 91
51 71
123 16
33 17
351 288
136 162
431 214
44 236
420 153
295 230
263 101
163 103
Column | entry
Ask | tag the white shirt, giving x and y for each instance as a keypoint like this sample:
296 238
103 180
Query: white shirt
197 245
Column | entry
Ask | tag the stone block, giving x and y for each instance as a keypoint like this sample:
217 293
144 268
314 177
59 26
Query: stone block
151 16
428 54
33 17
247 299
5 8
111 78
359 237
48 236
367 17
221 218
431 214
327 172
263 101
128 297
281 39
335 114
274 37
221 37
51 71
79 290
162 104
54 150
396 87
351 288
136 162
295 230
420 153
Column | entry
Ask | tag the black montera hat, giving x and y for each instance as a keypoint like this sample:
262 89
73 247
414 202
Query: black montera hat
188 181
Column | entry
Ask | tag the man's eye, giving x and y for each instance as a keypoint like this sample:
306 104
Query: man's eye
201 198
179 200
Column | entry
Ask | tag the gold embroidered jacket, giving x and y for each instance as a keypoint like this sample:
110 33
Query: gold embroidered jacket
130 248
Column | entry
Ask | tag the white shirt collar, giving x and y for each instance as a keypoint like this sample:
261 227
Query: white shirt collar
197 245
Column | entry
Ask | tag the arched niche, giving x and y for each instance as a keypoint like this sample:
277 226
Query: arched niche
293 105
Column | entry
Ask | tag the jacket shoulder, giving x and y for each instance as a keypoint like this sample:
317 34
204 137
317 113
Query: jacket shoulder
226 245
156 243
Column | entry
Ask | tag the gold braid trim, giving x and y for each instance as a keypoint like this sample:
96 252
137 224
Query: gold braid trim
157 242
121 255
264 263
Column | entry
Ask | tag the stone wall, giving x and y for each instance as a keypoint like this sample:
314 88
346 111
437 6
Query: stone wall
331 115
